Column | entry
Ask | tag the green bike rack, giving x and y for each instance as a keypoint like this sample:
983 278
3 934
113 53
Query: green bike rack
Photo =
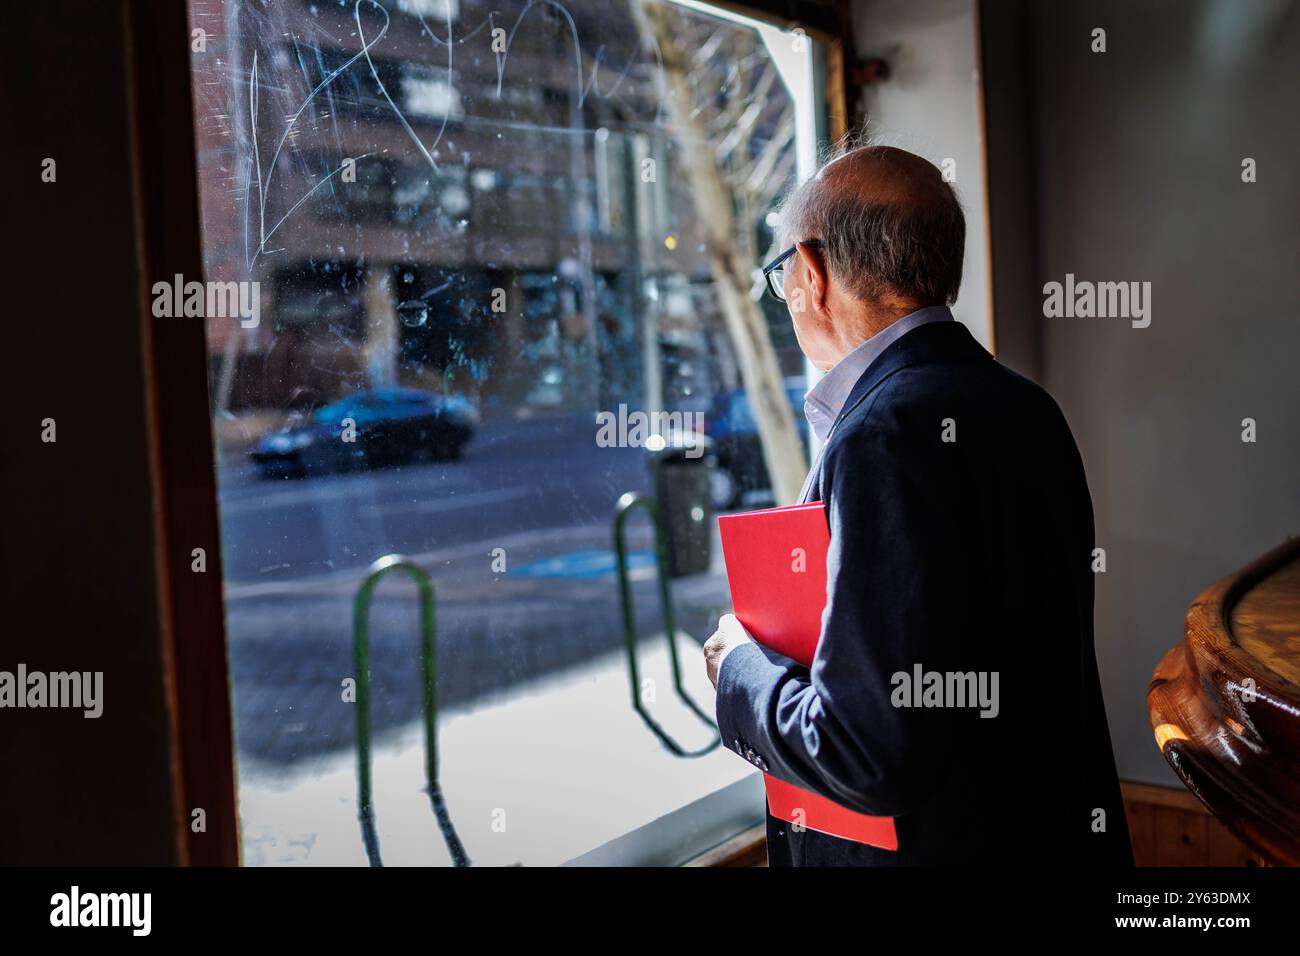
626 505
428 674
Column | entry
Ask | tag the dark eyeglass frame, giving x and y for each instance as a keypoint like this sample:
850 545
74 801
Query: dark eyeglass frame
774 272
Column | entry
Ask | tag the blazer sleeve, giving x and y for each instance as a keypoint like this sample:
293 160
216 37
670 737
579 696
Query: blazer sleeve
833 729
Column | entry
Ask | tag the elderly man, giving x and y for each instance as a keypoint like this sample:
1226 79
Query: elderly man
961 543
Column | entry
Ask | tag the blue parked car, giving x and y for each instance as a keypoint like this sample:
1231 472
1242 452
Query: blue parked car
738 466
393 426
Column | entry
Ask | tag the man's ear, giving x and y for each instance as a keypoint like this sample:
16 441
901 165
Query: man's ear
818 277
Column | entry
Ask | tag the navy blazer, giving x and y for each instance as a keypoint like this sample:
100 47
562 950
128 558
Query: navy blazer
961 541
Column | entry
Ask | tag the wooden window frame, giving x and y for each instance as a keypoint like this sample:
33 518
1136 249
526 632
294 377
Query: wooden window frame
182 465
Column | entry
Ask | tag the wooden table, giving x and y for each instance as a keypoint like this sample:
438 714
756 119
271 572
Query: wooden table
1225 703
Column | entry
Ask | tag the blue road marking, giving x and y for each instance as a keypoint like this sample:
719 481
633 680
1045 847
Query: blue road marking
583 564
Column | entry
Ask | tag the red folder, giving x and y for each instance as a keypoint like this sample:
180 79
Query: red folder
776 566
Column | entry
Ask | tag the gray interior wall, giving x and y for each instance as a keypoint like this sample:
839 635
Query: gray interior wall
1138 160
930 105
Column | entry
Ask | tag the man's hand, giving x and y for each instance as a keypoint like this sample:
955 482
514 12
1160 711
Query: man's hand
729 635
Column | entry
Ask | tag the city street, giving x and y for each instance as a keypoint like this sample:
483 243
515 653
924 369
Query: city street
295 552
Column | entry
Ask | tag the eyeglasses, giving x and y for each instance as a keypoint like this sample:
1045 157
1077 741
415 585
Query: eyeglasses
774 271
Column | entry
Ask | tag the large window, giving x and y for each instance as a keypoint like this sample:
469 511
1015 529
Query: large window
475 228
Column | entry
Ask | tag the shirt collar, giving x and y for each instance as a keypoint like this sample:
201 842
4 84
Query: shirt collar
824 400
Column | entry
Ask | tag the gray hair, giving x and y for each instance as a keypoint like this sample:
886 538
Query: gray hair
903 237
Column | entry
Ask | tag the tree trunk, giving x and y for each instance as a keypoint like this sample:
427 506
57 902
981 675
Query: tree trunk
759 370
381 328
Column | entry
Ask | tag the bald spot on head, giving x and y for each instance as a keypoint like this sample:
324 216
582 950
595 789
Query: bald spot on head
885 174
889 224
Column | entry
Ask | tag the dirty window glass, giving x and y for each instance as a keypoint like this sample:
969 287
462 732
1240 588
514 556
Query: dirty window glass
484 307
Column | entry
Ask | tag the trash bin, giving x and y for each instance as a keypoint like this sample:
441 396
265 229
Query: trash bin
680 473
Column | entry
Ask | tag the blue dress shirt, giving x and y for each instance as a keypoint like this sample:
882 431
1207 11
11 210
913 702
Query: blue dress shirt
825 399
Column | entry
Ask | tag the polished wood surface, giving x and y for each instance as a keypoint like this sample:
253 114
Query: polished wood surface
1266 622
1225 703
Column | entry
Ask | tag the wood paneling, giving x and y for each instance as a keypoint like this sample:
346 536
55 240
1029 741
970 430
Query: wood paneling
1171 827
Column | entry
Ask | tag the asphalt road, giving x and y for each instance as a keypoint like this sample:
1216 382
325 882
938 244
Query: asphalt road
294 552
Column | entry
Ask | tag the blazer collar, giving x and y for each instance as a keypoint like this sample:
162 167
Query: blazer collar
927 343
